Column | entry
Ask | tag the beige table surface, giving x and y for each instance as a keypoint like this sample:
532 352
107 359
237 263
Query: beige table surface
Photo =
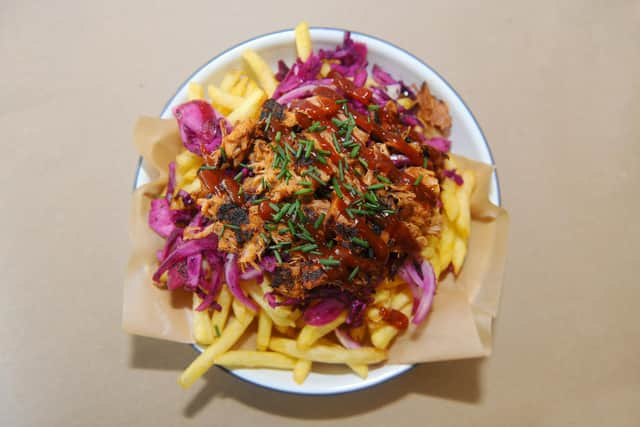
555 86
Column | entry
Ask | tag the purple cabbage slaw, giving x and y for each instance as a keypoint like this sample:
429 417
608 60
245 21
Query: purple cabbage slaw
197 265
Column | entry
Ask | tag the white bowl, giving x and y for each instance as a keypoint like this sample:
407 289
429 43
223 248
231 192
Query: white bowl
466 136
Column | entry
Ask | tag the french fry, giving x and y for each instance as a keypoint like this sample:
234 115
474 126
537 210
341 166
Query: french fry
303 40
255 359
264 331
248 108
262 71
358 333
219 318
361 370
251 87
195 91
381 337
201 323
447 238
207 358
240 86
458 255
310 334
449 198
279 315
381 296
186 161
229 80
463 195
463 222
328 354
241 311
225 99
192 187
287 331
301 370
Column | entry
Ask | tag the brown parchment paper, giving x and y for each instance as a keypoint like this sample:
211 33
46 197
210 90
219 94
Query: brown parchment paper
459 325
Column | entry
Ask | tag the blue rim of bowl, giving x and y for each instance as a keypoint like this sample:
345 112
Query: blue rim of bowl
466 107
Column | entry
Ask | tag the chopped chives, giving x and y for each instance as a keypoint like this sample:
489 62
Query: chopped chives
360 242
337 122
217 330
270 227
350 213
375 186
258 201
278 257
278 216
418 180
383 179
321 159
308 148
330 262
292 207
306 183
231 226
340 170
307 247
335 142
331 244
238 176
353 273
355 151
315 178
299 151
341 101
291 228
324 152
304 191
295 209
268 122
264 238
425 161
314 252
370 196
319 221
207 168
316 127
336 187
364 163
283 231
274 207
278 136
290 148
373 107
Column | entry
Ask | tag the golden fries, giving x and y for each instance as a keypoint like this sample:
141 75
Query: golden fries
249 107
328 354
206 359
219 318
301 370
202 332
255 359
360 370
264 331
225 99
310 334
196 91
262 71
303 40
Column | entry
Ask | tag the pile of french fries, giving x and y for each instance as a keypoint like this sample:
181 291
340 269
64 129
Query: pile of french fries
283 341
